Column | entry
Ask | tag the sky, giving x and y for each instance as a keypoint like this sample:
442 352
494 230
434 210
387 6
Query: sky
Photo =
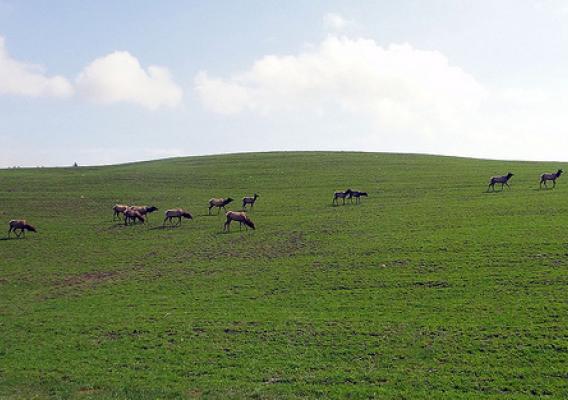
109 82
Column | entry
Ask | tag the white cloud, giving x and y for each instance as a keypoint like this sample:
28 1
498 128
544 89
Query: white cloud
358 76
24 79
235 97
355 94
334 22
119 77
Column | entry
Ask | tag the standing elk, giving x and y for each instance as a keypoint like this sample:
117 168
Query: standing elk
357 195
118 209
219 203
249 200
341 195
550 177
176 213
499 179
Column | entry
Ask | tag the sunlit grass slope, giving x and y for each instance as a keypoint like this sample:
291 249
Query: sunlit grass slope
430 288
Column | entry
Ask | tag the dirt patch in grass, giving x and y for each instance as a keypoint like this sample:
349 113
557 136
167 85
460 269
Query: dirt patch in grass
283 245
86 391
76 284
87 278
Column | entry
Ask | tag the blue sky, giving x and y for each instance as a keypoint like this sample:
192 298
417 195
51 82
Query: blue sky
108 82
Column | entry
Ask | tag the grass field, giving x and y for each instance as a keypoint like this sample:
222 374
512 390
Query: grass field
431 288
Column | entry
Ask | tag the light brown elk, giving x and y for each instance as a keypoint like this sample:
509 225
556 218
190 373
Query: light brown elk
240 217
132 215
219 203
178 213
118 209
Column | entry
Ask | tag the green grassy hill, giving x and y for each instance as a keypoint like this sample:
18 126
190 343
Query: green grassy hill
430 288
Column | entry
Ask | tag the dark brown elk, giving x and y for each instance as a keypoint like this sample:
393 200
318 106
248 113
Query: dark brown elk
550 177
250 200
357 196
21 225
503 180
341 195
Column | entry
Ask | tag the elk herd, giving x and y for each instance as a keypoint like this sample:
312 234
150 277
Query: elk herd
348 194
133 214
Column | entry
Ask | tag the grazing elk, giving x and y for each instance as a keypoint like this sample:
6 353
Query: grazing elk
240 217
176 213
132 215
219 203
118 209
250 200
357 195
145 211
21 225
499 179
550 177
341 195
